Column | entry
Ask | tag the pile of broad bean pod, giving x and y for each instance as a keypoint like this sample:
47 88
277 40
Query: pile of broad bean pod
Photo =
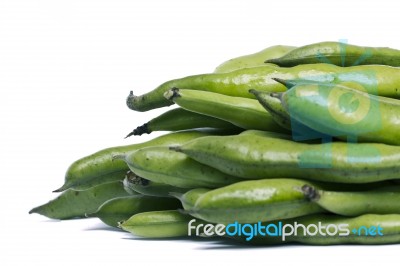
307 135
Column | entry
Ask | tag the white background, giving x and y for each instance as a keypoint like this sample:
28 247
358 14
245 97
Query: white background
65 70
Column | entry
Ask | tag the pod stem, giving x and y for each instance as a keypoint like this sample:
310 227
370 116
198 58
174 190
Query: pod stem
172 94
310 192
140 130
175 148
118 157
135 179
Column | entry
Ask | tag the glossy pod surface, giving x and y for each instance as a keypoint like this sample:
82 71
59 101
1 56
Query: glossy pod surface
381 80
162 165
262 133
100 167
341 111
340 54
118 209
351 203
73 204
253 60
158 224
242 112
263 157
181 119
254 201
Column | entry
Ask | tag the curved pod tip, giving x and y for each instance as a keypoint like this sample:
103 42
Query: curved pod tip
176 195
90 215
140 130
287 83
130 101
272 61
254 92
63 188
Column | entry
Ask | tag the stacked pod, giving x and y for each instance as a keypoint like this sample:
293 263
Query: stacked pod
286 135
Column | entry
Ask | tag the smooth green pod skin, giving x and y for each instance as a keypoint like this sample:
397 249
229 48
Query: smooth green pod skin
378 201
162 165
135 184
75 204
189 198
340 54
262 157
254 201
100 167
341 111
241 112
158 224
262 133
272 102
181 119
238 82
389 222
351 85
119 209
253 60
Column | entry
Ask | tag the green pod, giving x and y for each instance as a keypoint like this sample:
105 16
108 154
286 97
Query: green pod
380 80
241 112
119 209
159 164
73 204
158 224
262 133
368 229
272 102
181 119
100 167
253 60
340 54
351 85
254 201
135 184
354 203
263 157
337 110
